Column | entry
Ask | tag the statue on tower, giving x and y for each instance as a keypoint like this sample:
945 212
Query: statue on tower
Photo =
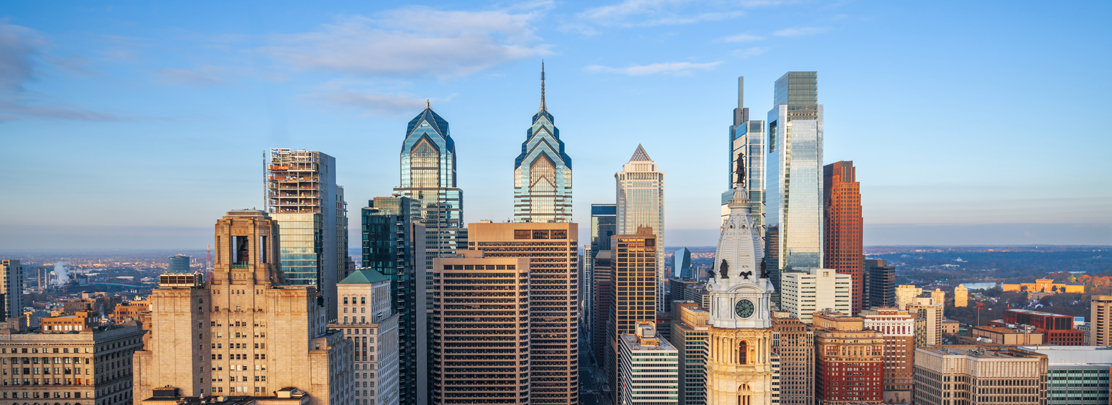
741 170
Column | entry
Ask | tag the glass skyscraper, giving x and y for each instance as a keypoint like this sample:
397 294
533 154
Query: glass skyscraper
394 245
303 197
795 175
641 204
747 142
681 267
542 172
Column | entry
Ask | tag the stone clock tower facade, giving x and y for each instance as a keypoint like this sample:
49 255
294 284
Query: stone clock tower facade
739 364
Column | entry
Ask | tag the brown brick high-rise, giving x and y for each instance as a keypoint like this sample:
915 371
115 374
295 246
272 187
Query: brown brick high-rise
842 226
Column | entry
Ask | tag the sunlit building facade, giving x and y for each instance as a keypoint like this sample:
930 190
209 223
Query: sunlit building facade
794 175
640 196
842 226
542 172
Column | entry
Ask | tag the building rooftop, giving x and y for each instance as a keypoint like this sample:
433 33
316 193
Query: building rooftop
971 351
364 276
1040 313
1074 355
635 343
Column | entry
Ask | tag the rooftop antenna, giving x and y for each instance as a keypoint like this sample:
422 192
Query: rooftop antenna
543 107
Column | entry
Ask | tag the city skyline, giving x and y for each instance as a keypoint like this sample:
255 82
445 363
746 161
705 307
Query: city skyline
141 93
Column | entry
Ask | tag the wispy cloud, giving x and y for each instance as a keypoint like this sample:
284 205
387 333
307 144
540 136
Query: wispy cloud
750 52
743 38
19 52
800 31
192 78
374 104
669 68
61 111
646 13
415 41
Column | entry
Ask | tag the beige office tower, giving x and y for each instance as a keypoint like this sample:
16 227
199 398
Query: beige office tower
480 324
553 336
898 328
244 333
689 336
906 294
951 375
961 296
633 295
12 273
938 297
928 331
794 341
1100 320
369 322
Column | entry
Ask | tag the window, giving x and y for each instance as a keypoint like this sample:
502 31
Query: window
742 352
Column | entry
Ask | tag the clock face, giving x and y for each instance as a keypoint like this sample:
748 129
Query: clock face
744 308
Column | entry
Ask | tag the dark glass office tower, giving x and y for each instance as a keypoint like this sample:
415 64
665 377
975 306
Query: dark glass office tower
394 245
603 226
794 208
880 284
681 266
542 172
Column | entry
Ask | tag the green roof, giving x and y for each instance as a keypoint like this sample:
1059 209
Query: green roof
364 276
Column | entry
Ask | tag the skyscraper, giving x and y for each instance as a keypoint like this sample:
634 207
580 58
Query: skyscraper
842 227
178 264
746 142
368 320
12 273
553 335
640 196
394 245
681 265
843 344
880 284
603 223
601 306
898 328
794 174
1100 320
302 196
633 285
689 334
648 367
542 172
245 332
428 177
740 365
794 341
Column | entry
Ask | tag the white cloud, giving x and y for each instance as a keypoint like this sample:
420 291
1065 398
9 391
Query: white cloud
743 38
375 104
800 31
415 41
671 68
750 52
646 13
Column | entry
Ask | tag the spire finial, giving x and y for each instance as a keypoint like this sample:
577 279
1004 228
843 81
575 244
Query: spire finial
543 107
427 103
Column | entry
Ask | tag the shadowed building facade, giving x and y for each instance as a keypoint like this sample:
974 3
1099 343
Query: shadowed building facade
633 286
553 311
842 198
794 342
603 224
542 172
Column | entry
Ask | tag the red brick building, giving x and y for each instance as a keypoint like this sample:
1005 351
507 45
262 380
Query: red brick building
842 226
1056 329
849 361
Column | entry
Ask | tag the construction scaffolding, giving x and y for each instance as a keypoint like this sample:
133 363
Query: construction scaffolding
293 181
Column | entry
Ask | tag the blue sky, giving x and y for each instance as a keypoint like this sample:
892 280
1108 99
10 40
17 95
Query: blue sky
138 124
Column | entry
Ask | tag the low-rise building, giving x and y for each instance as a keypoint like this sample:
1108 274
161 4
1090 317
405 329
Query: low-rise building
1045 285
994 335
979 375
648 368
950 326
1056 329
77 367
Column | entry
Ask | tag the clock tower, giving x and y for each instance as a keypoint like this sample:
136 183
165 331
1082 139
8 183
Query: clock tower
739 364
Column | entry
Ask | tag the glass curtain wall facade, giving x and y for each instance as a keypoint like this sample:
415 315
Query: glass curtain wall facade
681 267
542 172
303 197
794 176
746 142
640 196
394 245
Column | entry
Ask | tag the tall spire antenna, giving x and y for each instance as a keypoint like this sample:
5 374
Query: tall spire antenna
543 107
427 103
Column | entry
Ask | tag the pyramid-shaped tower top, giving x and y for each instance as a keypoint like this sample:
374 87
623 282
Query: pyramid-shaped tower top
640 155
438 124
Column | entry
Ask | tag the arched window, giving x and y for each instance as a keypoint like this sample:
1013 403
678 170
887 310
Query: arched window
742 352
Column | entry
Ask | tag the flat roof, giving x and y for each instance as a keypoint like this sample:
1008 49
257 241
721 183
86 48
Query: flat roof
1074 355
635 344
